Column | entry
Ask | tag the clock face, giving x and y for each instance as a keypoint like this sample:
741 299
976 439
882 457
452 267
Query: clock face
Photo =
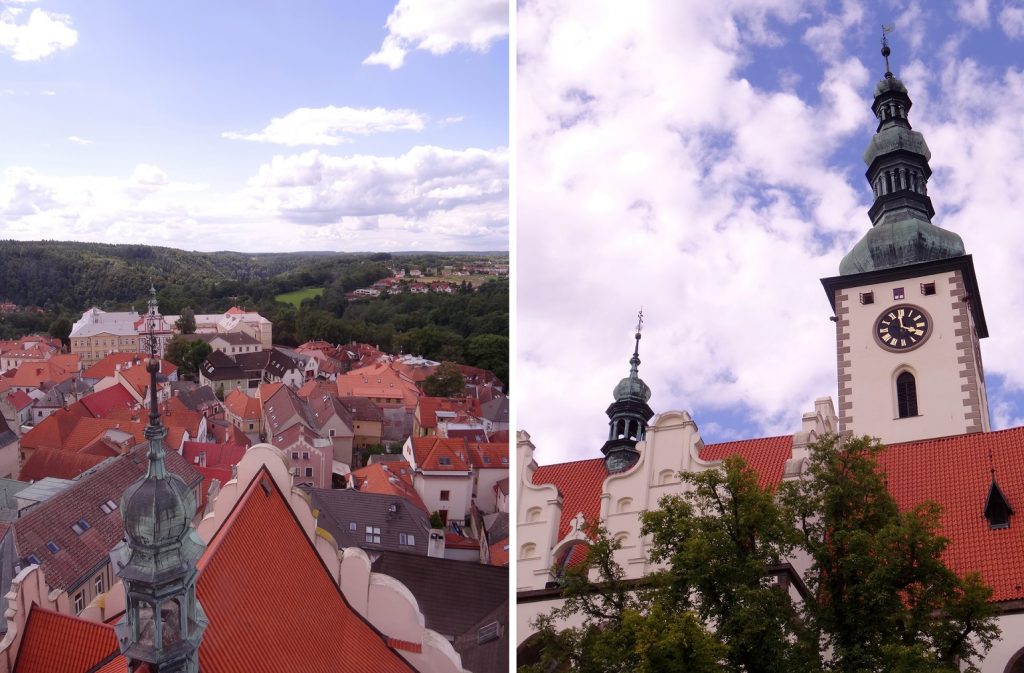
902 328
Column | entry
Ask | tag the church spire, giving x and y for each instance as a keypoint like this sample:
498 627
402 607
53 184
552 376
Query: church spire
628 414
897 157
163 622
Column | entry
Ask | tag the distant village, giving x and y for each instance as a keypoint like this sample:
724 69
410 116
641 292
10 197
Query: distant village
414 280
418 484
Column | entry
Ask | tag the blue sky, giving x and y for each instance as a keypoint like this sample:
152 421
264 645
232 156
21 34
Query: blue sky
703 160
154 122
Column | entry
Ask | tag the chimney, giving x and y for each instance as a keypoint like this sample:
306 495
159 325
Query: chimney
435 544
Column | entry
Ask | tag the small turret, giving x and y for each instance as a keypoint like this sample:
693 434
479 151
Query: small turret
628 414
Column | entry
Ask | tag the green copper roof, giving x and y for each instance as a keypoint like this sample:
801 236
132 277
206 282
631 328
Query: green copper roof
633 388
906 241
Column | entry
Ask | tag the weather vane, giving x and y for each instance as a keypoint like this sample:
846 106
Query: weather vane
886 29
640 321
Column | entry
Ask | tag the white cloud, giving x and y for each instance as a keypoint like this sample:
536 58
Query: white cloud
331 125
43 34
439 26
48 92
1011 20
974 12
79 141
652 171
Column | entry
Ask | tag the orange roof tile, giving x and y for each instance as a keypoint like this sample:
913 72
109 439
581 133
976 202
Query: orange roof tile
83 644
67 431
45 462
393 478
101 403
580 483
34 374
766 455
486 455
441 454
954 472
499 553
272 604
242 405
112 362
429 406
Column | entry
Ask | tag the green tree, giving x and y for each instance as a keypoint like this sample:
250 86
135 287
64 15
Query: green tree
187 354
719 539
60 328
489 351
186 322
624 628
882 597
446 381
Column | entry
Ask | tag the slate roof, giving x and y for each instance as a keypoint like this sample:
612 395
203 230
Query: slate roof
495 410
339 508
80 554
453 595
7 435
363 409
220 367
491 656
271 361
198 398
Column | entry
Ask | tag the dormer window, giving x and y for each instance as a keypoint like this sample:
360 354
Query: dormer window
997 509
867 297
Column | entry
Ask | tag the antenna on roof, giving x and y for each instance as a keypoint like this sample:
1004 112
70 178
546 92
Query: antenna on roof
886 29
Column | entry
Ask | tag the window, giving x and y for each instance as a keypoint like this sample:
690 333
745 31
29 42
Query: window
33 559
527 550
867 297
897 293
444 460
445 496
927 289
99 584
330 432
352 526
81 526
295 455
305 455
108 507
53 547
309 472
906 395
406 539
79 602
373 534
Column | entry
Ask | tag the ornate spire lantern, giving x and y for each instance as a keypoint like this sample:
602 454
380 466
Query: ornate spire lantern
628 414
164 622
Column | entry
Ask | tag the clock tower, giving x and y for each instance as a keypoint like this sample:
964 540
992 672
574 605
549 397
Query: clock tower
907 308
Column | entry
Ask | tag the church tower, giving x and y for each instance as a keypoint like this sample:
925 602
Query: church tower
907 308
628 415
163 621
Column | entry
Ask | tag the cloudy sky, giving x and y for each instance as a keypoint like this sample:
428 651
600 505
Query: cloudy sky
703 160
256 126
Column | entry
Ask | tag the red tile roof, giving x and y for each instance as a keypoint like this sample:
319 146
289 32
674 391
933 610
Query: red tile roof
242 405
954 472
580 484
109 364
429 406
271 602
64 430
101 403
499 553
82 644
217 455
19 399
441 454
389 479
46 462
486 455
766 455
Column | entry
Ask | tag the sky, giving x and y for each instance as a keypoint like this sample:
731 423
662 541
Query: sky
256 126
703 161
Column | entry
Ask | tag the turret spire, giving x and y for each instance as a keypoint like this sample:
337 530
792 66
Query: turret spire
629 413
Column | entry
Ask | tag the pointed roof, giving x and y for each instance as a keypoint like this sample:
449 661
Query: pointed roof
321 633
441 454
83 645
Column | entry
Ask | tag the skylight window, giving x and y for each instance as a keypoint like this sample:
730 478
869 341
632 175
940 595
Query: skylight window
32 558
53 547
80 527
109 506
444 460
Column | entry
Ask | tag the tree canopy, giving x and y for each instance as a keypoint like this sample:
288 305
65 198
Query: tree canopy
446 381
879 596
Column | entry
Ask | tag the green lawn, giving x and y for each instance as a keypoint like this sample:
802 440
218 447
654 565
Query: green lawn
295 298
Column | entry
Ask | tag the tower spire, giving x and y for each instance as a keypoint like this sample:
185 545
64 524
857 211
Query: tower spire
628 414
897 157
163 621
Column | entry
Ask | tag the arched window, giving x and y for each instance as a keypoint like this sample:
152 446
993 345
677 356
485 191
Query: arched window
666 477
624 505
533 514
527 550
906 395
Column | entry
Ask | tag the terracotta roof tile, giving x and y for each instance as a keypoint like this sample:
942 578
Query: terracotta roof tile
441 454
580 483
485 455
257 620
393 478
429 406
766 455
101 403
954 472
83 644
46 462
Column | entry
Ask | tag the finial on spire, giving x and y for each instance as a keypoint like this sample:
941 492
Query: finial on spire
885 47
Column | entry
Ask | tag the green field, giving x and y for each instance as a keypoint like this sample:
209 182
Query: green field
295 298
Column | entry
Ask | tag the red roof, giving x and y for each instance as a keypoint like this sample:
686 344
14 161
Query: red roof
272 604
486 455
101 403
83 644
389 479
217 455
109 364
766 455
429 406
65 430
499 553
954 472
45 462
441 454
19 399
580 484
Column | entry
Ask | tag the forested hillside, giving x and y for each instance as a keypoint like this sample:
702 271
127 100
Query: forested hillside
54 282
